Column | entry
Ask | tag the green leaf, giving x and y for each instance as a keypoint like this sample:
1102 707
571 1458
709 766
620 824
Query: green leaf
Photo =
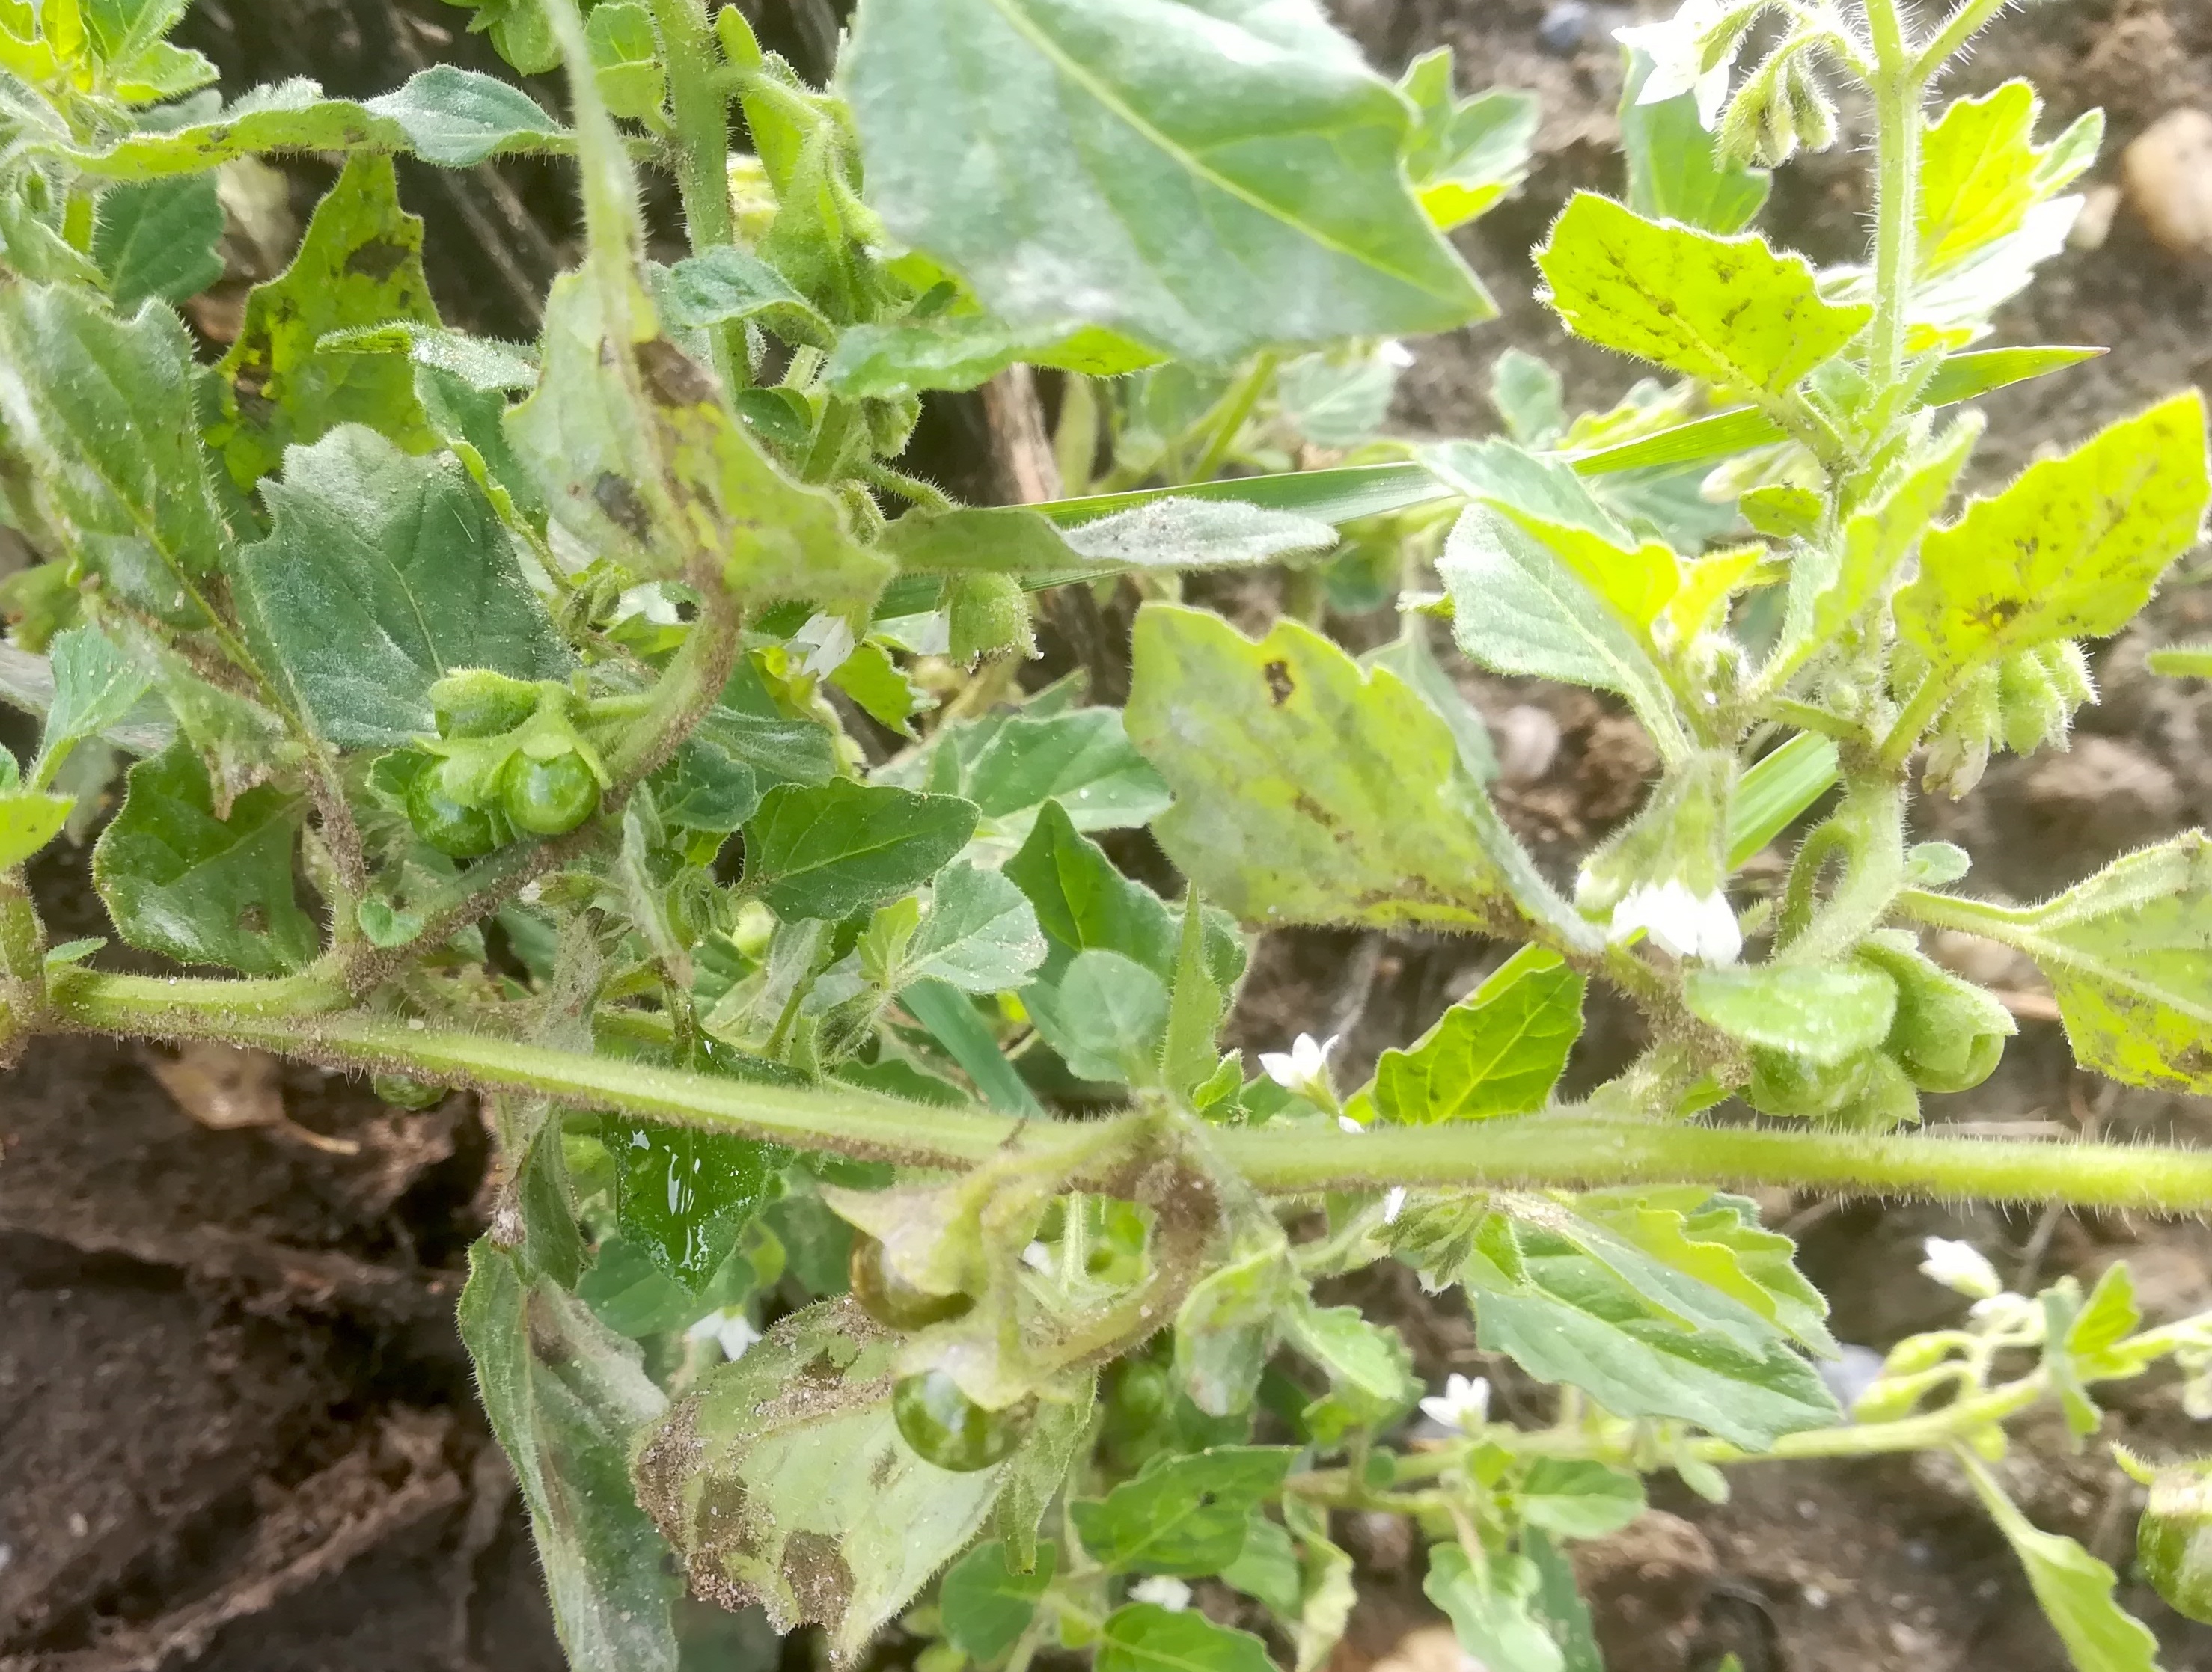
1981 172
1188 1051
638 458
1498 1051
2073 1588
986 1605
1586 1308
2129 952
827 852
961 350
28 823
1228 1325
1576 1498
1777 789
724 283
782 1478
1143 1637
1184 1514
1719 1241
457 118
95 687
1558 1605
101 412
683 1195
1520 609
1822 1015
159 240
202 888
1267 1569
747 724
447 116
1674 171
1107 1015
1309 791
2071 549
1831 582
381 574
1171 533
1467 154
980 934
1961 377
359 263
1493 1611
1234 183
1083 902
1036 1473
1727 311
565 1396
1409 656
952 1022
1010 765
625 58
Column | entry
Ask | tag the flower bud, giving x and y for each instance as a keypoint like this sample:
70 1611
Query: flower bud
1958 748
1948 1034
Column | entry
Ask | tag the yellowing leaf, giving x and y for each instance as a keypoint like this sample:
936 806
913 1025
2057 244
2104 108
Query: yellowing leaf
28 823
1497 1051
2129 952
361 264
1310 791
1981 171
1727 310
2071 549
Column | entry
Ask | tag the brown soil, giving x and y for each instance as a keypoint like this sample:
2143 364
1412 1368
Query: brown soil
237 1423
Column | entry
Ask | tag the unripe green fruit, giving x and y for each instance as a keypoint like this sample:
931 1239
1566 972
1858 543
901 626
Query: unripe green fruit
890 1299
1948 1035
1139 1396
447 823
2173 1541
548 797
476 702
945 1427
404 1092
989 615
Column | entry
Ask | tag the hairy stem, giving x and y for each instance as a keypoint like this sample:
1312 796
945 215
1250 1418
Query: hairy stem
1535 1151
1961 27
1897 90
699 101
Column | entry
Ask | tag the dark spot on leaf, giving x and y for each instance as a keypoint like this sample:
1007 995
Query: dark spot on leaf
820 1581
718 1520
254 919
1307 807
1280 684
880 1471
377 259
619 504
672 376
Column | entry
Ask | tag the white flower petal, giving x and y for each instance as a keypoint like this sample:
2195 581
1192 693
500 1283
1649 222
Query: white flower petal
1345 1124
1393 1204
1962 1268
1464 1404
827 640
1162 1591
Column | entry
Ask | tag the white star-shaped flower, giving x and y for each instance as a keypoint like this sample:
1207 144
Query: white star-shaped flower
1393 1204
728 1329
1677 48
1464 1404
1960 1267
1303 1069
827 640
1162 1590
1685 924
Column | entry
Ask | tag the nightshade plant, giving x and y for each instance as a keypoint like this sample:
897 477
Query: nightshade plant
486 713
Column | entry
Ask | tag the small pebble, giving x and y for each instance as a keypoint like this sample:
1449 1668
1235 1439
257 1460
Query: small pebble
2168 172
1566 28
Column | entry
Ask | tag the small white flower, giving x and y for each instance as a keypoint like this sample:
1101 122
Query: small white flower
1393 1204
1162 1591
1960 1267
1345 1124
1464 1404
728 1329
1687 925
1394 354
1303 1069
1677 51
827 640
1037 1258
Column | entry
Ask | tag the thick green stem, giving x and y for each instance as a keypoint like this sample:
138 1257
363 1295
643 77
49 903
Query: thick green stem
1897 91
1535 1151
